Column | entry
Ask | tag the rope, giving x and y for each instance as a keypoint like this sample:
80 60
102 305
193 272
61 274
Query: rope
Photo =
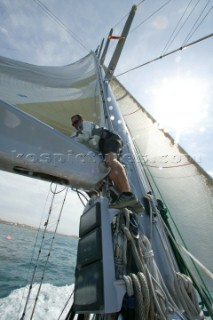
129 285
119 247
134 249
137 285
157 307
145 292
126 214
139 308
144 283
207 271
152 298
187 295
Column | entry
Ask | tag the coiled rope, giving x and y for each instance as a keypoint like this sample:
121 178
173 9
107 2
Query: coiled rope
147 297
152 298
187 295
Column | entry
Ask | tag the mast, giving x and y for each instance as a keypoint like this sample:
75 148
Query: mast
109 255
114 60
97 234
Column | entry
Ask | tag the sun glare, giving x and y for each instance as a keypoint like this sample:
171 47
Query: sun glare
181 103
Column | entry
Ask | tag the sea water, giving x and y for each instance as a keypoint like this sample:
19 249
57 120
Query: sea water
20 252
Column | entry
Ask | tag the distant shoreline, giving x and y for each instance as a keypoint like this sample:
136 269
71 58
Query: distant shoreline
16 224
25 226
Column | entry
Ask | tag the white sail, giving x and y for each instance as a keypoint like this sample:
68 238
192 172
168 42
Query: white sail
184 187
41 146
51 94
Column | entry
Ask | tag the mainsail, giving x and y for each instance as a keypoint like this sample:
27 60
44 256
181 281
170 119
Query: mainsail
50 95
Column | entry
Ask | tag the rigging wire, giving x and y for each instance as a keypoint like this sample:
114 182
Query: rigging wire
120 20
38 258
50 249
33 251
137 5
181 27
177 31
166 54
170 40
40 249
60 23
151 15
190 34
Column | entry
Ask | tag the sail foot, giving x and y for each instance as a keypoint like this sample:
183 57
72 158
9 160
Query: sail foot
31 148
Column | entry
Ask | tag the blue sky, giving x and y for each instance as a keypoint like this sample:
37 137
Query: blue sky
176 90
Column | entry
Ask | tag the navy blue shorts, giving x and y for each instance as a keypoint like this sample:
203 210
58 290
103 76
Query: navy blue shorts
110 142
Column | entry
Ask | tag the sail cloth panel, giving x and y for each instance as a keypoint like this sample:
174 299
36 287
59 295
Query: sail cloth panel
52 94
175 178
43 149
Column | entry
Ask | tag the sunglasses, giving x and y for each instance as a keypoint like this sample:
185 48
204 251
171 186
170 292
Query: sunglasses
75 122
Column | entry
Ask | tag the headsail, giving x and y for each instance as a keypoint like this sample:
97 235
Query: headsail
184 187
